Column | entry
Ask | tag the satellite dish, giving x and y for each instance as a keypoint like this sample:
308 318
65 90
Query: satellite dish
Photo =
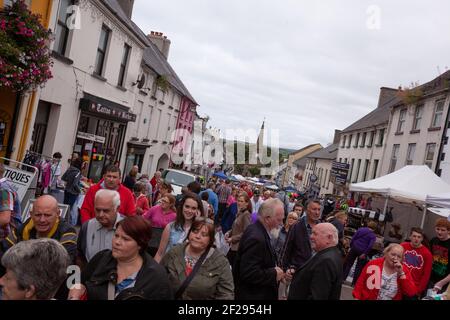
141 82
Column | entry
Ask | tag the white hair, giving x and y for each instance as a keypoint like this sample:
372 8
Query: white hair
109 193
332 231
268 207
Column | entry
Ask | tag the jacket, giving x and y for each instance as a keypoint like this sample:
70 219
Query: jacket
242 221
213 280
228 217
127 205
254 267
320 278
363 240
298 246
72 178
151 281
362 292
61 231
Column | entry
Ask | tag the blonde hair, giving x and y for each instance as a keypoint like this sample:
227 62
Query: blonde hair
340 214
290 214
391 246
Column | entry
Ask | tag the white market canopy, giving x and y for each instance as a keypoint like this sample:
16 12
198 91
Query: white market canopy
410 183
440 200
443 212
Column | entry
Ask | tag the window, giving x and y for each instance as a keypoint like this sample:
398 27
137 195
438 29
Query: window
394 156
371 137
429 154
349 141
366 170
101 50
437 116
417 117
346 160
123 64
380 137
340 159
375 168
351 169
363 140
10 2
401 121
62 31
356 141
357 171
410 154
343 141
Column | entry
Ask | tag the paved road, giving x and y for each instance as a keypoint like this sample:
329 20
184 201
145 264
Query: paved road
346 292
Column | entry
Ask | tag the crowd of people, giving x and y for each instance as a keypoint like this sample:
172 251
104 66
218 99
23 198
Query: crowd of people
135 240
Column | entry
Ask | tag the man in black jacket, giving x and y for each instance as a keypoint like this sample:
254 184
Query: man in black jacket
298 245
255 270
320 278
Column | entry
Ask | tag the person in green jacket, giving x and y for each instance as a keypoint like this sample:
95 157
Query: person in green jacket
213 279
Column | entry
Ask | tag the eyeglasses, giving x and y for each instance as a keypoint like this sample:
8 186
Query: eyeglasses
204 219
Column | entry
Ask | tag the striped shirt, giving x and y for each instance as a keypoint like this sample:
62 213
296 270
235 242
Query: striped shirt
223 192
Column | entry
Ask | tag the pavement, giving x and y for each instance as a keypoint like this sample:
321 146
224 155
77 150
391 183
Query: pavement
346 292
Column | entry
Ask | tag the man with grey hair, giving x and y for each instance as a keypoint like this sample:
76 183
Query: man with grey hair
96 234
35 270
320 278
255 270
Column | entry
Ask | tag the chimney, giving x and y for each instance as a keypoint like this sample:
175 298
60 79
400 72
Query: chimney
337 136
161 42
127 7
386 94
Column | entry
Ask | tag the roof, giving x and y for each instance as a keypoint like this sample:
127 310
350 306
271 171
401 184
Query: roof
329 152
152 56
376 117
305 148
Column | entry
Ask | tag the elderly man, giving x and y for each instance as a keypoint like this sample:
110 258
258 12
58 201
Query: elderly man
255 269
96 234
35 270
298 244
111 181
320 278
45 222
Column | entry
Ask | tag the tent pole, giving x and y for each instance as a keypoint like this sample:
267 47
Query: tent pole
423 216
385 205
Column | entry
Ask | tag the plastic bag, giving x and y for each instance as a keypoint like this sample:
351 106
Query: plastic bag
220 242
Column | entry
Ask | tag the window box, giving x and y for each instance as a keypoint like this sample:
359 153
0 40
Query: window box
96 76
414 131
434 129
399 133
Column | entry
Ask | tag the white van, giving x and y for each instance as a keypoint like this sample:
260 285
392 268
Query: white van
177 179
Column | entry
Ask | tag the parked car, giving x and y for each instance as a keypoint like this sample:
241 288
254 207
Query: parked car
177 179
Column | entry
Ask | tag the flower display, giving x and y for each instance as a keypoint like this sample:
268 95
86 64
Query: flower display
25 58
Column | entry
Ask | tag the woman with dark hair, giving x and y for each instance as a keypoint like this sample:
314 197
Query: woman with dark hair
162 189
130 179
197 270
176 231
240 223
127 271
72 190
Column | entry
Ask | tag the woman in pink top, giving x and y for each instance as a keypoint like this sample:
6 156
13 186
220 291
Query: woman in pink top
159 216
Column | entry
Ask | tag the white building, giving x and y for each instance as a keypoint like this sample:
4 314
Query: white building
362 144
114 97
417 125
318 171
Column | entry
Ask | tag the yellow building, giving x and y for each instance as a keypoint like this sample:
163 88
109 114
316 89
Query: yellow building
16 111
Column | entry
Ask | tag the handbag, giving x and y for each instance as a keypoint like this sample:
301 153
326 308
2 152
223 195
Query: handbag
191 276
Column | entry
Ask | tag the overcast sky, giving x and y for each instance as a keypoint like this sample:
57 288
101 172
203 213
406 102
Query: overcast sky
309 67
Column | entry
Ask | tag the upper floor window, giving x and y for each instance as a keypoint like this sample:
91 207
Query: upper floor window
62 30
356 141
123 64
363 140
394 157
438 114
344 138
401 121
349 141
410 154
381 137
417 117
101 50
371 137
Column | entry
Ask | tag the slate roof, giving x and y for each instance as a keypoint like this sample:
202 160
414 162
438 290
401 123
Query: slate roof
152 57
329 152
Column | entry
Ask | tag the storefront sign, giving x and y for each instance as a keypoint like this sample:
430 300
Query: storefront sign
339 171
111 112
91 137
20 179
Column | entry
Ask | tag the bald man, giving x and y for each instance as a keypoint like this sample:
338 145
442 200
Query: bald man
320 278
45 222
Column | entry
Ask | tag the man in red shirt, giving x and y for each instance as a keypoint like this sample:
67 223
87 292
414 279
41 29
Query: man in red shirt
111 181
418 259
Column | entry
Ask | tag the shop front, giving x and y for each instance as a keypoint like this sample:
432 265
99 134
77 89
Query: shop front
101 134
135 156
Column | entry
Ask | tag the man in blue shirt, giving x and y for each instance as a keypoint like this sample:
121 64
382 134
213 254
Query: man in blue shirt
213 199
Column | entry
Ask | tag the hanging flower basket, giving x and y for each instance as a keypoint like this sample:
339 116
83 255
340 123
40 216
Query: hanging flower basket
25 59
